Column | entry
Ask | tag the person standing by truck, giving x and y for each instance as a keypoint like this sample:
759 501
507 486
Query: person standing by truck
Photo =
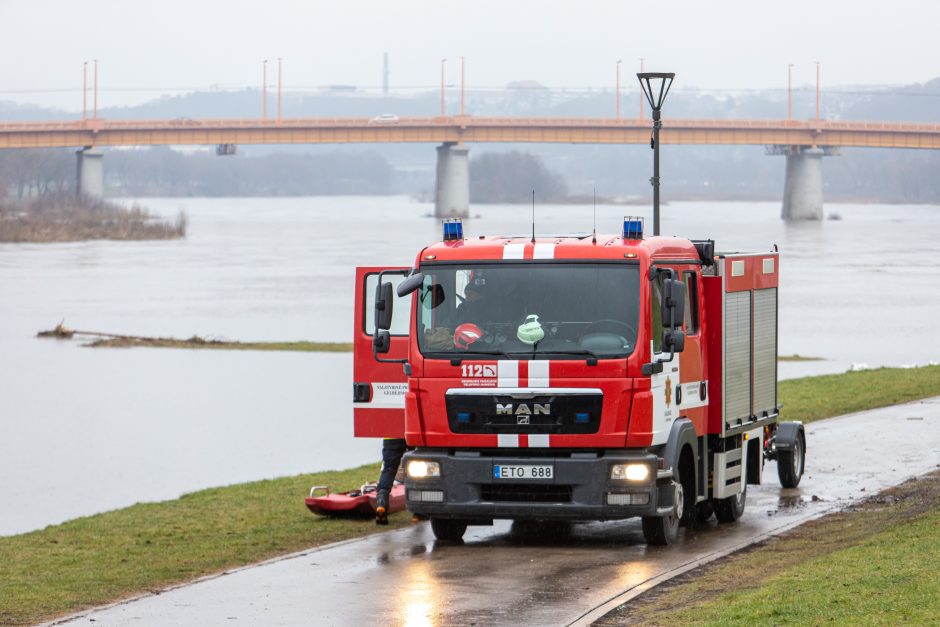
392 451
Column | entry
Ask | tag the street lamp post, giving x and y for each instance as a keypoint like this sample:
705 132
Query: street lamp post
817 90
84 90
264 90
655 87
618 88
789 92
443 64
96 91
461 84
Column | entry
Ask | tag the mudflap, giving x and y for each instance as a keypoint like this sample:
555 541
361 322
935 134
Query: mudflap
786 436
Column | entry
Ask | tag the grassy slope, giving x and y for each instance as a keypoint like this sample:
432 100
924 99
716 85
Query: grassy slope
100 558
815 398
104 557
873 565
885 579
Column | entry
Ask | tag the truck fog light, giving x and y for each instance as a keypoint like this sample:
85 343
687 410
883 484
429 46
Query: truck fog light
628 499
425 496
420 469
630 472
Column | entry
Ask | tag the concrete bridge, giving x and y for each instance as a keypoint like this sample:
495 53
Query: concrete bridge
803 142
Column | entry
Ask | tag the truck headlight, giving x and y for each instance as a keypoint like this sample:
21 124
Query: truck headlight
630 472
420 469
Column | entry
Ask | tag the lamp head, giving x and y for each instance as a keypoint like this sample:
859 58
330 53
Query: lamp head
656 86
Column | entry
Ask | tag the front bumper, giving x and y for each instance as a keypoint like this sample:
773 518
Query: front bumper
580 489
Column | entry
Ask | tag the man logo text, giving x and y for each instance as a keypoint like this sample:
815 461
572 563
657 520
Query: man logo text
522 409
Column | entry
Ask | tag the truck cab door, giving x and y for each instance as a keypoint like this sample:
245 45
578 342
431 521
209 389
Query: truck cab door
663 385
379 388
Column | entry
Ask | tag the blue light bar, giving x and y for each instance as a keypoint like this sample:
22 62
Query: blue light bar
453 229
632 227
463 416
582 418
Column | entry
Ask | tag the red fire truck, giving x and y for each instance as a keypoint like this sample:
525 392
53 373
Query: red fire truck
575 378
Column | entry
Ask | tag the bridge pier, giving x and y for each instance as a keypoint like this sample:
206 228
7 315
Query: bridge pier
452 189
803 186
90 173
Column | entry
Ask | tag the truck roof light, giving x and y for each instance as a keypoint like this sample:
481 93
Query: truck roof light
453 230
632 227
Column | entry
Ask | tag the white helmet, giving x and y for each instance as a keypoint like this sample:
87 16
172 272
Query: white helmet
531 332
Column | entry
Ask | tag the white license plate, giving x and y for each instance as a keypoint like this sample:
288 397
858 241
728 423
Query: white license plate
523 472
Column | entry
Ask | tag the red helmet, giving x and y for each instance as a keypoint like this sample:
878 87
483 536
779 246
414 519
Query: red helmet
466 334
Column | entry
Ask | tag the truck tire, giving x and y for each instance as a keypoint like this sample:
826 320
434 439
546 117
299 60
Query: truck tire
790 464
686 476
448 530
703 512
663 530
730 509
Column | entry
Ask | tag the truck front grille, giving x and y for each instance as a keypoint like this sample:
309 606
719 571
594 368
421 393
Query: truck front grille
539 414
525 493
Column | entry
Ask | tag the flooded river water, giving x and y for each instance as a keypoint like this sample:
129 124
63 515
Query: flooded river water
85 430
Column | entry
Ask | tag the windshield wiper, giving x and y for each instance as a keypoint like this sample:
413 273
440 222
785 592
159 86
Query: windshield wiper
592 356
455 361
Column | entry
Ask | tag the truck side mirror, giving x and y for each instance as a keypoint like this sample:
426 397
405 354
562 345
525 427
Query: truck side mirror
673 303
410 284
674 340
383 306
382 340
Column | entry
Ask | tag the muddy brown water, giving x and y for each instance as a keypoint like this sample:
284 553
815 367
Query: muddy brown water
82 431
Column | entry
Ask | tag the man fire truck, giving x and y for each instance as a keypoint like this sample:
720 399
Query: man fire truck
590 378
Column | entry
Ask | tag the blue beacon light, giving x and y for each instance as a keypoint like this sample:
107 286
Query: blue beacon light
632 227
453 230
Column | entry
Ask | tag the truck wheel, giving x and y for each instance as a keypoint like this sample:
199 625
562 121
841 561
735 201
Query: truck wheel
686 477
730 509
790 464
663 530
447 529
703 512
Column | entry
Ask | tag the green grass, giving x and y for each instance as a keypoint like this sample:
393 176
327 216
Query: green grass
890 578
873 564
815 398
101 558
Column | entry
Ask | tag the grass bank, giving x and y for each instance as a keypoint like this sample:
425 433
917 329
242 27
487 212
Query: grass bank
798 357
97 339
101 558
873 564
198 342
815 398
70 218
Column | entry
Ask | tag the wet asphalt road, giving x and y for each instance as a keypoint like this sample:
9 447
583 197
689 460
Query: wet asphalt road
498 577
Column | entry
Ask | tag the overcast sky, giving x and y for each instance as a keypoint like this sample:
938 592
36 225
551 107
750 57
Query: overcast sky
148 48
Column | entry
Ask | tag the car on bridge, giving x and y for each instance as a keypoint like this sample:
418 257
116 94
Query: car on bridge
384 118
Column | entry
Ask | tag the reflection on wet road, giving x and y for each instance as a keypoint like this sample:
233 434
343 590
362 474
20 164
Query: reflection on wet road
502 576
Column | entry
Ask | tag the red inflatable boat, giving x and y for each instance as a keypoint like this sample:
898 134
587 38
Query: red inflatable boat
356 503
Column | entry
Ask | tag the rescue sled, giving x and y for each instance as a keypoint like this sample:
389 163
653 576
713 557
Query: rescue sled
353 504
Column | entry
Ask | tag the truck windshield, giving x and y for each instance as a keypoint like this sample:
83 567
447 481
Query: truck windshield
560 310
